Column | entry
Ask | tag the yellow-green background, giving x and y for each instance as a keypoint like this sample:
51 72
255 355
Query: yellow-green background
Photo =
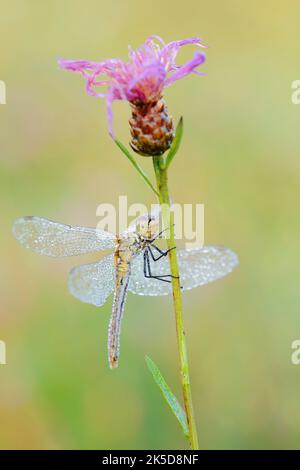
240 157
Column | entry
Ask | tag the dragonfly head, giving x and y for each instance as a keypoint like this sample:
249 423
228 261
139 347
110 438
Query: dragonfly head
147 226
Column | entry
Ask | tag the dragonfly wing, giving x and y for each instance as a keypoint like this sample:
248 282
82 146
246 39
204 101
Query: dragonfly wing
93 283
54 239
197 267
200 266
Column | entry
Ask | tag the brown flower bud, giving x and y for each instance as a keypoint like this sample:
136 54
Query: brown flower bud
151 128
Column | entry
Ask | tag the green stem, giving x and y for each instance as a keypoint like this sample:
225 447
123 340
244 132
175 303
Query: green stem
136 165
164 199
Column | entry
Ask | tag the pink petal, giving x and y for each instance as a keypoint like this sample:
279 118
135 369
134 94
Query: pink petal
186 69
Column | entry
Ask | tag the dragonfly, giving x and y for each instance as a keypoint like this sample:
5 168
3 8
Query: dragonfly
137 264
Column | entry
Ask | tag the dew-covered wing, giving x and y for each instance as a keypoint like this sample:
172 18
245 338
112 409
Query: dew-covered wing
54 239
197 267
93 283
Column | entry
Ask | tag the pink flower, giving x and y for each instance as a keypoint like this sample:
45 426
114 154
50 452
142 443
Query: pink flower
142 78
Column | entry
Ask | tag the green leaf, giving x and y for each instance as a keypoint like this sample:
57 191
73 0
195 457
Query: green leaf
136 165
175 144
168 395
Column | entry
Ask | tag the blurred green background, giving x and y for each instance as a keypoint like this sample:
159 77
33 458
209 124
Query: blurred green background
240 157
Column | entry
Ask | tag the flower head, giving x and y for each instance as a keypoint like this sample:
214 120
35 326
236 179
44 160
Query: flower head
142 78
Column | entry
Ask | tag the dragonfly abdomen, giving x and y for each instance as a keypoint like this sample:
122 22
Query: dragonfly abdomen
114 331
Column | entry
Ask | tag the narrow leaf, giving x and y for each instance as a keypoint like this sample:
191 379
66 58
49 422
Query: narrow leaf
176 143
136 165
168 395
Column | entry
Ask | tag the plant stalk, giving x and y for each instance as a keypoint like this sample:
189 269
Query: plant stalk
164 199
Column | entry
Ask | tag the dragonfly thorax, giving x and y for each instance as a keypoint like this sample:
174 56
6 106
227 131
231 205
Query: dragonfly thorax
131 244
128 247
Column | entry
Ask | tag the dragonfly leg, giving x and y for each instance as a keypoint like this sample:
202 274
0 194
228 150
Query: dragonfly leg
148 274
158 235
162 252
